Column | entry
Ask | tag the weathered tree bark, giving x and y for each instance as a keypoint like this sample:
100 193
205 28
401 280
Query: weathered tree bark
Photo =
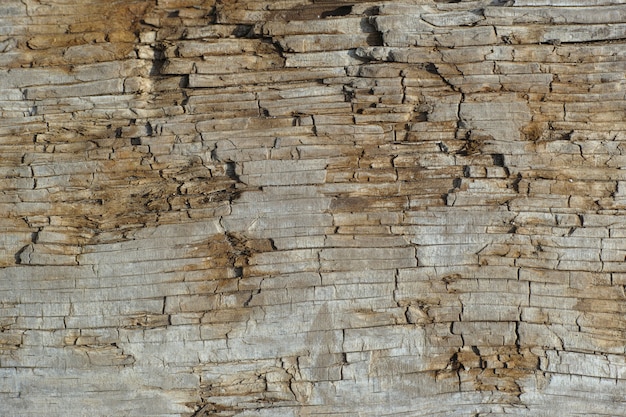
312 207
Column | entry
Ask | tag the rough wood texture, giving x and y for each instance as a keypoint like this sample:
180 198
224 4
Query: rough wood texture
312 208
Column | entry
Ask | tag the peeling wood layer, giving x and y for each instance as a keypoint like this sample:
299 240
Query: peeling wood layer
312 207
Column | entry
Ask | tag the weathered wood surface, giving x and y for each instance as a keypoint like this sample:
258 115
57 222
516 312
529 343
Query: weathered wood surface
312 208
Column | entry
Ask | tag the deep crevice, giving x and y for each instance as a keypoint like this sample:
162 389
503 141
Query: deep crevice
339 11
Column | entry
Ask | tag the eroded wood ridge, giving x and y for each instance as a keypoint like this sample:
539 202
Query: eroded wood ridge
312 207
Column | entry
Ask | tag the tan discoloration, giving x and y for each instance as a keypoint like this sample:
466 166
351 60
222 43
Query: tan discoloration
311 207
